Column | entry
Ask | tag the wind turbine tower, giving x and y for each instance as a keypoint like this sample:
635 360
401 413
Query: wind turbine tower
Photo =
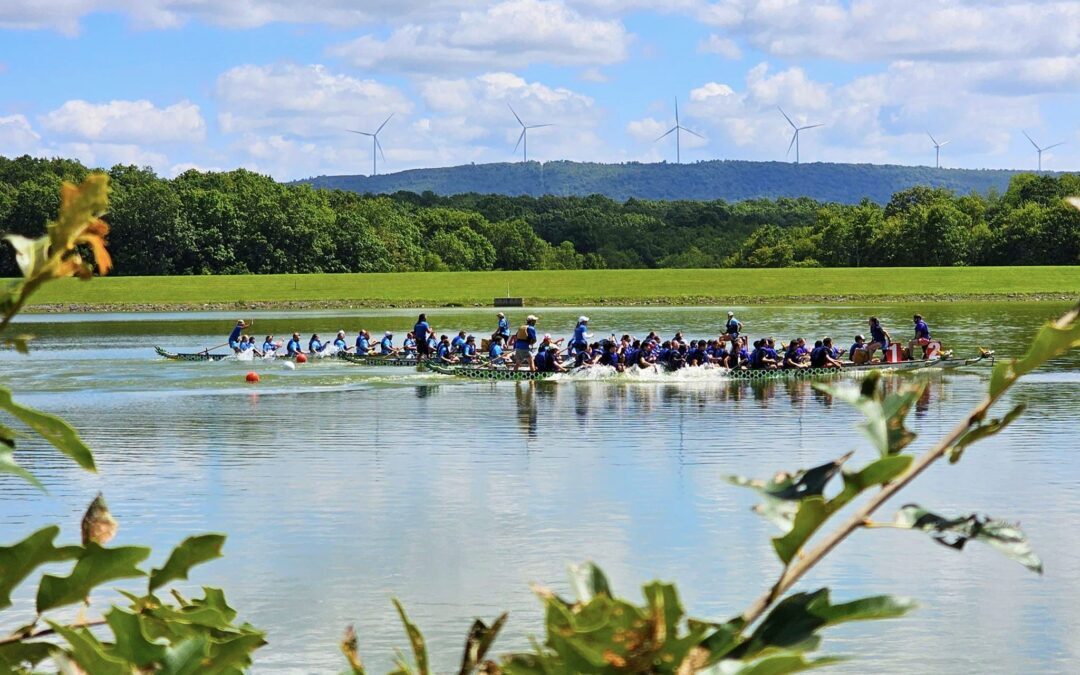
523 139
678 129
937 149
795 136
375 145
1038 149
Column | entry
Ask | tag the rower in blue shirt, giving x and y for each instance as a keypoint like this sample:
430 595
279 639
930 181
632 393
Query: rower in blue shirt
292 347
237 331
879 338
468 350
268 345
922 335
386 345
458 342
581 337
495 351
409 345
363 343
443 352
314 345
339 342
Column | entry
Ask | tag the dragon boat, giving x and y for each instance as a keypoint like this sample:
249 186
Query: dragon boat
375 360
948 363
216 356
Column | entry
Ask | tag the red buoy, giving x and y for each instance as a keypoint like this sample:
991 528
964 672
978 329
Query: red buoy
252 377
300 358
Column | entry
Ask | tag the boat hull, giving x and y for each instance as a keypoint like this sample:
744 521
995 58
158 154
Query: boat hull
480 373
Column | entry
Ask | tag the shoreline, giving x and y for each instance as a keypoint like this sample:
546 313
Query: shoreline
598 301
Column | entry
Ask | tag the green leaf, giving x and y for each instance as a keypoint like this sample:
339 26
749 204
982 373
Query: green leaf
878 472
95 566
783 492
983 430
14 654
89 653
1003 536
811 514
18 561
9 466
478 642
232 654
186 657
416 640
53 429
192 551
885 416
132 643
30 254
794 621
588 580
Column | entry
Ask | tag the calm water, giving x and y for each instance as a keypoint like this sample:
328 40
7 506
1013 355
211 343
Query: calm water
341 486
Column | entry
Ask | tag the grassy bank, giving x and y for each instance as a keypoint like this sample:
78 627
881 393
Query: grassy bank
584 287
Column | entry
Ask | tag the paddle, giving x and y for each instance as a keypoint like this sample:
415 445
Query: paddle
209 349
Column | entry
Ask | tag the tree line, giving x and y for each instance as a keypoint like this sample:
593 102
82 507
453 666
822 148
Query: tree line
239 222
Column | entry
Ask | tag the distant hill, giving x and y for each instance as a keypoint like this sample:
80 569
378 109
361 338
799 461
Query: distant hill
720 179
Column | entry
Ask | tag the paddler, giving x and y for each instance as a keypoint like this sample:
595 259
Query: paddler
458 343
339 342
580 341
292 347
422 331
386 345
363 343
236 334
922 336
314 345
523 344
879 338
269 346
468 350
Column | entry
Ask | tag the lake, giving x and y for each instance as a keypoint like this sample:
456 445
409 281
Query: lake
341 486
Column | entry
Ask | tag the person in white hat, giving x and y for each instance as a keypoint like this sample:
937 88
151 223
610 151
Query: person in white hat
580 341
503 331
339 342
386 345
524 344
733 327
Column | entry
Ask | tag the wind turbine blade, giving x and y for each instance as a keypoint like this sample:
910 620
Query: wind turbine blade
668 133
362 133
515 114
812 126
794 137
786 117
1029 140
379 146
676 111
1054 145
537 126
383 124
691 131
518 144
933 140
942 145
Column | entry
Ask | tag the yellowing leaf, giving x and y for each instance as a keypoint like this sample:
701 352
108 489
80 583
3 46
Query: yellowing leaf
80 206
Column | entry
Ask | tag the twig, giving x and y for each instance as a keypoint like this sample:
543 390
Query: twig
18 637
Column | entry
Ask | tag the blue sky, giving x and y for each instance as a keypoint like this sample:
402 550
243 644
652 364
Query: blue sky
272 85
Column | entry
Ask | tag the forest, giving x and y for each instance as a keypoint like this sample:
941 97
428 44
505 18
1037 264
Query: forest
239 222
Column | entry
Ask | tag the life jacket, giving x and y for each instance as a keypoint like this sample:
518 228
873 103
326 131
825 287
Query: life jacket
523 333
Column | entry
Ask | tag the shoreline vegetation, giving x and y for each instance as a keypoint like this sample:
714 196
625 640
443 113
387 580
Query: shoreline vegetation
672 287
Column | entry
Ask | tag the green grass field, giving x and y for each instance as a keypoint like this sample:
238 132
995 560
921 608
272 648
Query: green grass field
584 287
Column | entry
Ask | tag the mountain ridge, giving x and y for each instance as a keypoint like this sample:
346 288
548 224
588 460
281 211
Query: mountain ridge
731 180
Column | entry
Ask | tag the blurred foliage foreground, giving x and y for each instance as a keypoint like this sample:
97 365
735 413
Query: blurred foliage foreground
159 630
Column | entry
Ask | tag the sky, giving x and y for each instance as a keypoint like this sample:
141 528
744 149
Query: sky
275 85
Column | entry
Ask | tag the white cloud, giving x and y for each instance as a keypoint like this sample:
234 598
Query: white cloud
593 75
303 100
509 34
715 44
126 122
17 137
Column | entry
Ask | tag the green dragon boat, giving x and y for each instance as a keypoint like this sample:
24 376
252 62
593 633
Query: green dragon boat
208 356
485 373
375 360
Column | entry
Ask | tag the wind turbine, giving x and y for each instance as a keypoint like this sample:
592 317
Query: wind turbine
375 144
1038 149
795 136
678 129
937 149
523 139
